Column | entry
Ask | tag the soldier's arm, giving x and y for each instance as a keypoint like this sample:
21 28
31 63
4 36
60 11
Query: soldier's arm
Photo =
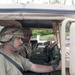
43 69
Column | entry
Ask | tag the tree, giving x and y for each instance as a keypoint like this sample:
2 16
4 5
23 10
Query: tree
42 32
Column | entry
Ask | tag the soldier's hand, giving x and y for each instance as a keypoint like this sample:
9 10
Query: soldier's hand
59 66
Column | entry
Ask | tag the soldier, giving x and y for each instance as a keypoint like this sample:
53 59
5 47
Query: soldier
26 52
11 63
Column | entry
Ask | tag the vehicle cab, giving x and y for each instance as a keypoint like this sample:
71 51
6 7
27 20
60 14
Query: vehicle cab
36 16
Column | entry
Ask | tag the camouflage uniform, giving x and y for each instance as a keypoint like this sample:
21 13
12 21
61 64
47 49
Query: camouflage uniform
26 52
6 67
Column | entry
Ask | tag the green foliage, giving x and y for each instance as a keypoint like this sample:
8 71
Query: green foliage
44 37
68 27
67 34
42 32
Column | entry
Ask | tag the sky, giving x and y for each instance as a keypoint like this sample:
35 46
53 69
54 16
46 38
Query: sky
68 2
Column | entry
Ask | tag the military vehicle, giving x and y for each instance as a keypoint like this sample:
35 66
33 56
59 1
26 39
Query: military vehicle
45 16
